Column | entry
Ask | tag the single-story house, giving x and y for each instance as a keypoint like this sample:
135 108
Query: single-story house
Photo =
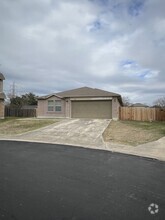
2 97
139 105
83 102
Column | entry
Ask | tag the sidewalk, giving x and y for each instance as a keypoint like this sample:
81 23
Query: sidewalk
155 149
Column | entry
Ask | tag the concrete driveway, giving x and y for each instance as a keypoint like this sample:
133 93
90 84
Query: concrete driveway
88 133
80 132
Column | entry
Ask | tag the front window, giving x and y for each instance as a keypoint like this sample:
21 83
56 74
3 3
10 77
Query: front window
58 105
54 106
50 105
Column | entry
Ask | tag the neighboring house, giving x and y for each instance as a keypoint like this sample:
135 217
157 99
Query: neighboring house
139 105
83 102
2 97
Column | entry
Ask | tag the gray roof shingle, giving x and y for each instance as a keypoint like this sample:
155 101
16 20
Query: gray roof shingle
86 92
83 92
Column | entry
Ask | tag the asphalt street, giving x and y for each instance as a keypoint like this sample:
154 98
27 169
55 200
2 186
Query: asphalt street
58 182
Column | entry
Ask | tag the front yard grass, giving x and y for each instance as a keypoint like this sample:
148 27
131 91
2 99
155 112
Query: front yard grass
133 132
13 126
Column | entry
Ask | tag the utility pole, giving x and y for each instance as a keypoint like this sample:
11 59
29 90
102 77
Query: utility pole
13 90
12 93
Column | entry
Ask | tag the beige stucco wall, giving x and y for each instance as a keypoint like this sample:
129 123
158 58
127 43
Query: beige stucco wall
2 109
115 108
68 108
42 109
2 106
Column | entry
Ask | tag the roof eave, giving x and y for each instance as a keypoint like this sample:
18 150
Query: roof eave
120 100
49 96
2 96
2 76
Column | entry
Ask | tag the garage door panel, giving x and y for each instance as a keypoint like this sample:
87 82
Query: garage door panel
92 109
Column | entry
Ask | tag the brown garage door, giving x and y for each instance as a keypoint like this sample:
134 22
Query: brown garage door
92 109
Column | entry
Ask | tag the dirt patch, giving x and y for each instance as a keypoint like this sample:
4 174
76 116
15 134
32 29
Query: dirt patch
133 133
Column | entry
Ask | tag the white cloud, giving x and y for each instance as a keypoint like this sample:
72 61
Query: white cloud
50 46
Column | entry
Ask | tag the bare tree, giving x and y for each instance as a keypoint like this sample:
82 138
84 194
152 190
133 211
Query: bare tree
160 102
126 101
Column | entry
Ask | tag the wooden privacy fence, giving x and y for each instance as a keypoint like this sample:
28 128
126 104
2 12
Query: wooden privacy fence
16 112
141 114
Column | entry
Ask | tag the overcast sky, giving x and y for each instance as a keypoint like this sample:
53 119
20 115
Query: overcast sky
49 46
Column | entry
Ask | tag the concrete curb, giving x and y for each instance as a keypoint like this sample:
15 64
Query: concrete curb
107 147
